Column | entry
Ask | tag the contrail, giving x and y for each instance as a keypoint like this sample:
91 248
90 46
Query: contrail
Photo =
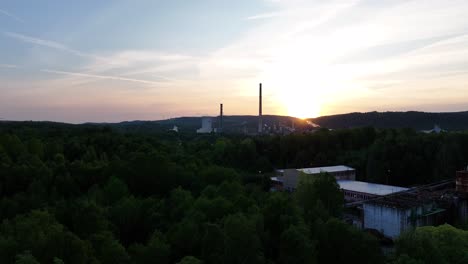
10 15
108 77
46 43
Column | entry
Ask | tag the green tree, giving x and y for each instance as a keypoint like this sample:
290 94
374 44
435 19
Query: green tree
279 213
296 246
318 192
156 251
442 244
405 259
108 250
339 242
189 260
185 236
242 242
39 233
114 190
213 244
26 258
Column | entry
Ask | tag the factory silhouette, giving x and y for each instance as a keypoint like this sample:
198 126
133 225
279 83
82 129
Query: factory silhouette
262 127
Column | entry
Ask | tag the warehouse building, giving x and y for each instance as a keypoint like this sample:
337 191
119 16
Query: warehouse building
391 210
353 190
359 191
288 179
427 205
393 215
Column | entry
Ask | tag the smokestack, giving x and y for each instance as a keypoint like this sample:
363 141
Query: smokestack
260 123
220 118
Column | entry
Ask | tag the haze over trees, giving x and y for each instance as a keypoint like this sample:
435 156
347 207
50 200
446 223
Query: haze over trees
450 121
89 194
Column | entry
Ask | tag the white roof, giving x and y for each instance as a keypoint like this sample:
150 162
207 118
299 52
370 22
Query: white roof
371 188
318 170
276 179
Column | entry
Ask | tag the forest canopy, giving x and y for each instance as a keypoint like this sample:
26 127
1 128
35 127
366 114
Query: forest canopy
90 194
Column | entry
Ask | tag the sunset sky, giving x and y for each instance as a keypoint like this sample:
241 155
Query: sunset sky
88 60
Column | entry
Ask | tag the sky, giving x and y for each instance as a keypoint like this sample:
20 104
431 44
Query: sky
110 61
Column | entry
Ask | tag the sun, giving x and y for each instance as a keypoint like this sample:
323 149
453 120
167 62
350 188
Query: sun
303 109
304 113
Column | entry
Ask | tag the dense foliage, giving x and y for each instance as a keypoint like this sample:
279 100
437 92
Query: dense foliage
442 245
86 194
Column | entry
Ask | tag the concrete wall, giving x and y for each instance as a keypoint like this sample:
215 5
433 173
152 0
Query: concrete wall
463 210
290 179
389 221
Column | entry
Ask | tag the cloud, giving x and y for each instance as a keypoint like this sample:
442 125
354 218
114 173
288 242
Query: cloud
137 61
107 77
50 44
8 66
265 15
10 15
140 61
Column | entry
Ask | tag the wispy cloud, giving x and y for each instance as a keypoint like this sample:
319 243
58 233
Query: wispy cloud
107 77
132 61
139 61
50 44
8 66
10 15
265 15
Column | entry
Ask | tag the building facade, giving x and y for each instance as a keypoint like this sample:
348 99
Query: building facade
207 126
392 219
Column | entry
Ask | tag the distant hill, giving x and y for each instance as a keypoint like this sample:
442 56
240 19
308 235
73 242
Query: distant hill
238 124
418 120
243 123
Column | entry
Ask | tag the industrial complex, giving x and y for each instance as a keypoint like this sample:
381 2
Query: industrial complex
261 126
389 210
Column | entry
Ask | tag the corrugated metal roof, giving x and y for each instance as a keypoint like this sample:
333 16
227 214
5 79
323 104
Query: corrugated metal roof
371 188
325 169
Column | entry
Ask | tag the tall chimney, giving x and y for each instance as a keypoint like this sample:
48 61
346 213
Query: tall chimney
260 123
220 118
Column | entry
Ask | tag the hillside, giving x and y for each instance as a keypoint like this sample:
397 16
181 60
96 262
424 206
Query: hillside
418 120
451 121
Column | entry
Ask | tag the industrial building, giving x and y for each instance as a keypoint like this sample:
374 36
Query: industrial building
390 210
207 126
432 204
289 178
360 191
422 206
345 176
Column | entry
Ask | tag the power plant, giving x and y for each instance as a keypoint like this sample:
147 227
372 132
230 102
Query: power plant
207 126
256 125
